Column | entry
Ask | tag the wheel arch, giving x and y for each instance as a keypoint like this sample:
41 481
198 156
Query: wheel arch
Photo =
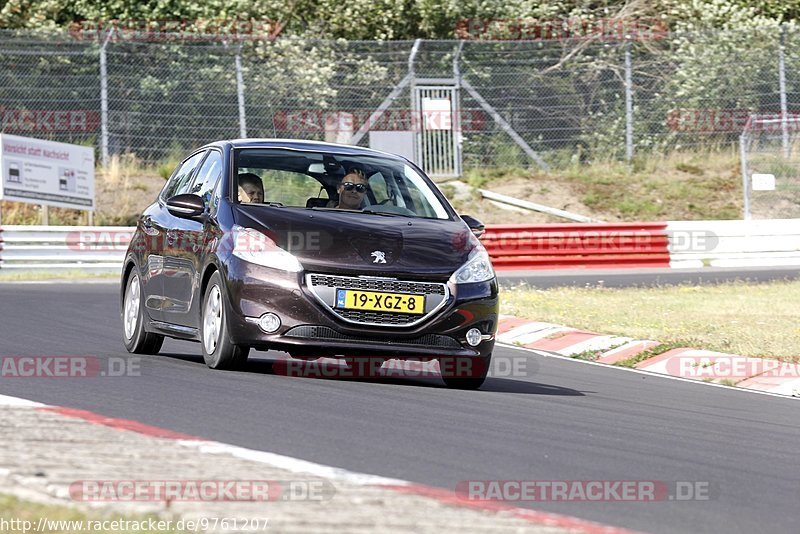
209 271
128 267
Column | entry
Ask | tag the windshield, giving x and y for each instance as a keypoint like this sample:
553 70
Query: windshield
319 180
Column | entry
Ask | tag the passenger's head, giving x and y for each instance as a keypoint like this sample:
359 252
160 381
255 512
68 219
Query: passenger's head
352 189
251 188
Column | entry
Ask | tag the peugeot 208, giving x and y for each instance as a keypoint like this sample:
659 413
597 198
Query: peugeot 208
314 249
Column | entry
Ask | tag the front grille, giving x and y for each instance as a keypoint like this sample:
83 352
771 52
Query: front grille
324 288
371 284
326 333
386 318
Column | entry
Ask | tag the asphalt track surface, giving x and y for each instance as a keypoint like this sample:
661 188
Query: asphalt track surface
562 420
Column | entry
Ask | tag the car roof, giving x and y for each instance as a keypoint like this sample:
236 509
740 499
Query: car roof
300 144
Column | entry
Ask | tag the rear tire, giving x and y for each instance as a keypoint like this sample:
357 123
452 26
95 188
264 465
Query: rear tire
137 339
460 374
219 352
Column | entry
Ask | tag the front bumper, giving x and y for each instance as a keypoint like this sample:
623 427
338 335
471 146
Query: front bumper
310 329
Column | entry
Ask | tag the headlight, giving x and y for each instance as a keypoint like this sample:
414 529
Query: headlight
477 269
254 247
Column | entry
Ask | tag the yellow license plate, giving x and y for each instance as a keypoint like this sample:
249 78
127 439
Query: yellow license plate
384 302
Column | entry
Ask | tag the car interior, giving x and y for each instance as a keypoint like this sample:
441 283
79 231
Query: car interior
310 180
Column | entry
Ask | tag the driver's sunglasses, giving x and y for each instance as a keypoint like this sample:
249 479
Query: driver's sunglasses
360 188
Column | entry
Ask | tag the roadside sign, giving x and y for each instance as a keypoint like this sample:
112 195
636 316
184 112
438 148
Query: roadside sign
46 172
763 182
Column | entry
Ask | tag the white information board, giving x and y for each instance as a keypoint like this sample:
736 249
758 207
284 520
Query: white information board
46 172
763 182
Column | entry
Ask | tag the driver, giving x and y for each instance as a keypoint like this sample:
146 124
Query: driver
352 189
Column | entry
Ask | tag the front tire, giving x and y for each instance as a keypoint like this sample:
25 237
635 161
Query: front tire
218 350
465 373
137 339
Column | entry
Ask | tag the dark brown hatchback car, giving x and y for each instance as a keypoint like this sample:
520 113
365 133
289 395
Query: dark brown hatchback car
314 249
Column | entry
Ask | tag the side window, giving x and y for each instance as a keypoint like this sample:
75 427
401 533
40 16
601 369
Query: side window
207 176
287 187
377 184
422 207
179 183
386 190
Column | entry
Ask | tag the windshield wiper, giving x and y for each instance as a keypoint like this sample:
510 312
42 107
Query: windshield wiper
370 212
385 213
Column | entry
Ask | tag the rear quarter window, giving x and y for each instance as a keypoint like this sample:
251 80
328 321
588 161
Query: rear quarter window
288 188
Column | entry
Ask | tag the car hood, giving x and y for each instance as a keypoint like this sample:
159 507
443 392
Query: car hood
356 243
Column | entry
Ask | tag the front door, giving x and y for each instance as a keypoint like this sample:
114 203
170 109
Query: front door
164 227
185 251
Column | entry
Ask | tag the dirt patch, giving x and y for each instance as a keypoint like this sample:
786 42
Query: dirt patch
119 202
540 190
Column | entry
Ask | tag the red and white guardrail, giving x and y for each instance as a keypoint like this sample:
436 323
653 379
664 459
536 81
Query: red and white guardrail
558 246
679 244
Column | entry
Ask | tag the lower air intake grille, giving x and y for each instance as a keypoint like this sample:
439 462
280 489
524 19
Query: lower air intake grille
325 333
378 317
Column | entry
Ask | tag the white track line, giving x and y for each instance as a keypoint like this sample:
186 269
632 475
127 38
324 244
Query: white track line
547 354
14 401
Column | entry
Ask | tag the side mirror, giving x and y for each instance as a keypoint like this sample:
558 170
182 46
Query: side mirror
474 224
186 206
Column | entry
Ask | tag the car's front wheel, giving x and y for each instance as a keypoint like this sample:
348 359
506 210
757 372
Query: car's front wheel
137 339
464 373
218 350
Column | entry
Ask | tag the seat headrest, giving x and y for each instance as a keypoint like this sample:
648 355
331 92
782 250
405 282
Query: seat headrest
316 202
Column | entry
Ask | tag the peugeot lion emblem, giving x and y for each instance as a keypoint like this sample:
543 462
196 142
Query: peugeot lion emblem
379 255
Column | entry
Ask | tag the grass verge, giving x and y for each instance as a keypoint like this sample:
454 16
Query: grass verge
46 275
24 516
749 319
687 185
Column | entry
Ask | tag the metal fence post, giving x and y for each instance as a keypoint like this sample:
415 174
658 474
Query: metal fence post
456 107
743 157
240 94
628 104
782 84
104 100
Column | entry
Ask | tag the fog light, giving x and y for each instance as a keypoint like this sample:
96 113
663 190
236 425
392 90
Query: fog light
473 337
269 322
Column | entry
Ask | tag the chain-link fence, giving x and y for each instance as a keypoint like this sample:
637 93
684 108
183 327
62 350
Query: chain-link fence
547 103
770 159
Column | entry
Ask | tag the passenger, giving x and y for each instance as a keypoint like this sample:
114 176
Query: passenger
351 190
251 188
